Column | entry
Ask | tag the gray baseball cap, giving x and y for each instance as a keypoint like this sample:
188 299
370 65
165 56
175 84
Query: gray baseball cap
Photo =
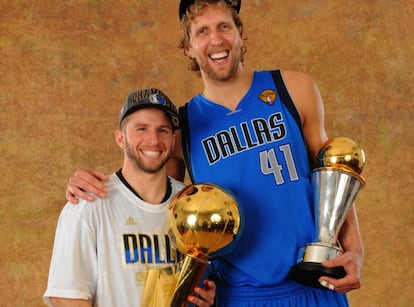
150 98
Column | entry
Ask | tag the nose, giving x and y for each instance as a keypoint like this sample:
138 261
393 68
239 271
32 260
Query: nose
216 37
152 137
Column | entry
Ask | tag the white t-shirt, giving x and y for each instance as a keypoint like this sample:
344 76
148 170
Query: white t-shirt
103 249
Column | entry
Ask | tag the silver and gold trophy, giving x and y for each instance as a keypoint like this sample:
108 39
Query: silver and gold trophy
204 221
336 182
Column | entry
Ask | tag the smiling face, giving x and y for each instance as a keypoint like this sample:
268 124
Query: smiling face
215 43
147 138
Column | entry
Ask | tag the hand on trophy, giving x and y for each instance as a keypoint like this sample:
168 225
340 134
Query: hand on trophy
205 295
352 264
161 283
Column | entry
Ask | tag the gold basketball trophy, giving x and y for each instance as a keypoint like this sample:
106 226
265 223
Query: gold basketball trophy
336 182
204 221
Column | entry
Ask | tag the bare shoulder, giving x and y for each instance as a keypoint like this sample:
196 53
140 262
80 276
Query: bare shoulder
303 91
296 80
307 99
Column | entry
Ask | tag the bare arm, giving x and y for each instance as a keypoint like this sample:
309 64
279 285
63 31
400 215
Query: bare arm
305 94
353 257
175 165
308 101
65 302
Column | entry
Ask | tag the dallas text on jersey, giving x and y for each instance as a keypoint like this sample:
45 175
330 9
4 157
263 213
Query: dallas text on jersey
144 248
248 135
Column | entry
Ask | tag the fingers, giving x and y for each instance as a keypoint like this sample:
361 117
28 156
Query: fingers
71 197
73 194
205 297
326 284
337 261
343 285
209 284
99 175
352 263
199 302
86 184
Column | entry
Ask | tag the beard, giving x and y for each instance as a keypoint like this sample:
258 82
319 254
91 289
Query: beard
221 76
139 163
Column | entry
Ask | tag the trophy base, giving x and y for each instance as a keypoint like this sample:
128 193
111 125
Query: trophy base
308 268
308 273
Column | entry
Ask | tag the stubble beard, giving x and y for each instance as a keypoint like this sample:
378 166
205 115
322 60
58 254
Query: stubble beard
140 164
221 76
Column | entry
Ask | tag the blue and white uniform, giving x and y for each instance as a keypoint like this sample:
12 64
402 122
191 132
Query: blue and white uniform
104 249
259 154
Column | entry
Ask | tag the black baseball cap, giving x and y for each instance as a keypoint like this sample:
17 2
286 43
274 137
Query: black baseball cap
150 98
185 4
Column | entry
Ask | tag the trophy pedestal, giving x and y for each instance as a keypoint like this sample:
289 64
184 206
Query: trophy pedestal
191 271
308 268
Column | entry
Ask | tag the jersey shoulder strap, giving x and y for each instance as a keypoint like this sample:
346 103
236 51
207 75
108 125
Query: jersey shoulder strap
288 102
285 97
185 138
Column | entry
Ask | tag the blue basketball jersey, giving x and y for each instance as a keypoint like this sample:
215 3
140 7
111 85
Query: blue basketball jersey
259 154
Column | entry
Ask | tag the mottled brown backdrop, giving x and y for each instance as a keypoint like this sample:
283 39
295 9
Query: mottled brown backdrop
67 66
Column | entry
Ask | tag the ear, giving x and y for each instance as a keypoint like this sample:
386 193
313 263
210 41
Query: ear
120 138
188 52
242 37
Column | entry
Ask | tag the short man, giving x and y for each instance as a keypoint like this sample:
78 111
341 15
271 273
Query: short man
103 250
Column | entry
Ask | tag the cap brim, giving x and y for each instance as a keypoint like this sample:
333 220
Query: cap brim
173 117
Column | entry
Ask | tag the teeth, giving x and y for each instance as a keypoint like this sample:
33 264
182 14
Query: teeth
151 153
219 55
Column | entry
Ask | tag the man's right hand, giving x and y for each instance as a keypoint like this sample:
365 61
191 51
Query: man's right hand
86 184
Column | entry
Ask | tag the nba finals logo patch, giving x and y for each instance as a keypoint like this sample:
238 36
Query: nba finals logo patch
268 97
